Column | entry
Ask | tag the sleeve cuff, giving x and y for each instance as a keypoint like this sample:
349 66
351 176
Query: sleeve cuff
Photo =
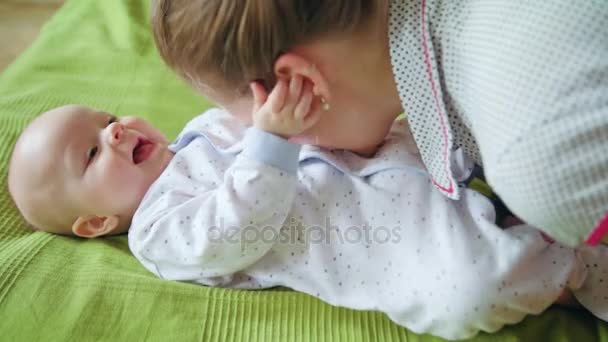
271 149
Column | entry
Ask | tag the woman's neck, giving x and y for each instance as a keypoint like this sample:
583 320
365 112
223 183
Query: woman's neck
382 84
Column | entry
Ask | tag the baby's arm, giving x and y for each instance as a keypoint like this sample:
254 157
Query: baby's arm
193 226
487 279
194 234
464 273
566 299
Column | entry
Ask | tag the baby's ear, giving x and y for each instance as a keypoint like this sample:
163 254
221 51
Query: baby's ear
92 226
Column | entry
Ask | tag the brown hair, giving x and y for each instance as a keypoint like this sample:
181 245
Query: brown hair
237 41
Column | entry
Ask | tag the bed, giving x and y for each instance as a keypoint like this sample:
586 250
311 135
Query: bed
52 288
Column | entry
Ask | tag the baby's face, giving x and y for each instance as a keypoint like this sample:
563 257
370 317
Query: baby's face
101 164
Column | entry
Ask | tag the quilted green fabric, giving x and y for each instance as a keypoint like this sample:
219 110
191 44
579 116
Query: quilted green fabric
52 288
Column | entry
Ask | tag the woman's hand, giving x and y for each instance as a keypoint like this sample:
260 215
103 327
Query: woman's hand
287 110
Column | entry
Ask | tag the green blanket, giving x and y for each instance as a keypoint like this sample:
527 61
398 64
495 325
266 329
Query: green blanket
100 53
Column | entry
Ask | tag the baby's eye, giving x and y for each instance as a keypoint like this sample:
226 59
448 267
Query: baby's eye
91 154
112 120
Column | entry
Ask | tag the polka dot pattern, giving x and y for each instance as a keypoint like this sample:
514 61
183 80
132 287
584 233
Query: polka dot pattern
522 88
368 234
417 79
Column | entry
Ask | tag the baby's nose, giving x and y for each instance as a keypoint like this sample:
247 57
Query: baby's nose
116 132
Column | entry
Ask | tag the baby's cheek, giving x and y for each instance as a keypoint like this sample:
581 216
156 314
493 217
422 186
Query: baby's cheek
124 181
127 195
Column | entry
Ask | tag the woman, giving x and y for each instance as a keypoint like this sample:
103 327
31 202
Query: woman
521 86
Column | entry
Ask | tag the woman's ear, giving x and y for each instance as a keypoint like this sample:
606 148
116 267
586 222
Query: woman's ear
92 226
290 64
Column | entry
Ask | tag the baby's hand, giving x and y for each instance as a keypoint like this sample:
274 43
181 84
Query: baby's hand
287 110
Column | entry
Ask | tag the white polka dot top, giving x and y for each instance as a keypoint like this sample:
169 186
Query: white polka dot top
363 233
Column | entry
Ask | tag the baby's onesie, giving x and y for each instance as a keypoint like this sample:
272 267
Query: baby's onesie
241 208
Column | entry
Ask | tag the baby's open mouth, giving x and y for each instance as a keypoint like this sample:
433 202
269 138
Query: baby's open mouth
142 151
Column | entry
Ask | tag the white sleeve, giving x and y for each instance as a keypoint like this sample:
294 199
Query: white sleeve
484 281
463 274
593 292
194 233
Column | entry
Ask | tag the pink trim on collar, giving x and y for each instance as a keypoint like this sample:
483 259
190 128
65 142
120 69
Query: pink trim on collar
599 232
450 188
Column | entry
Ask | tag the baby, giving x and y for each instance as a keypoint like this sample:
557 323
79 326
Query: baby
242 207
80 171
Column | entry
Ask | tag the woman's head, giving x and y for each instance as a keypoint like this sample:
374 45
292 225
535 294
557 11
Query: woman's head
340 46
235 42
